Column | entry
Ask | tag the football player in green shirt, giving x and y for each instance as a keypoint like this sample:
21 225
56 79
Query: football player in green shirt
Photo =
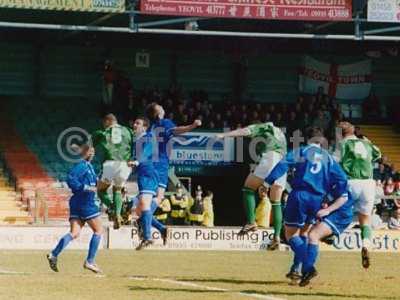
115 142
270 147
356 157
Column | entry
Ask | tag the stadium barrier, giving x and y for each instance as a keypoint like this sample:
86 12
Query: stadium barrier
182 238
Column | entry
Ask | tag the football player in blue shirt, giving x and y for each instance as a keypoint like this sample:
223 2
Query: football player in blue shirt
315 173
84 208
147 181
164 130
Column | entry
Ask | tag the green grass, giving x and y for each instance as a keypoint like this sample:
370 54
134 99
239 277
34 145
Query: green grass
261 273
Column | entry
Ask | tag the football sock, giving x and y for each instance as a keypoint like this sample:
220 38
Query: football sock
299 247
366 234
153 206
118 202
145 222
64 241
105 199
93 246
277 218
249 200
310 258
157 225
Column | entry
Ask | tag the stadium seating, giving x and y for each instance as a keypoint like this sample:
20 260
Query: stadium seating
32 127
386 139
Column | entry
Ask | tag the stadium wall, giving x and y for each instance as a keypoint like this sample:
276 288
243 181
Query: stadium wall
182 238
76 71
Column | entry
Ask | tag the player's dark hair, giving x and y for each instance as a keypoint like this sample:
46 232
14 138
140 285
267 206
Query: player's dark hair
146 122
151 111
314 133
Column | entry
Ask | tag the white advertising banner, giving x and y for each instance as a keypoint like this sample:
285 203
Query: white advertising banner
182 238
201 148
383 11
41 238
382 241
194 238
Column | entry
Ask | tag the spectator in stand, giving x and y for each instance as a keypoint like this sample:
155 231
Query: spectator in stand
310 110
211 125
389 187
300 104
371 108
392 172
394 222
272 110
180 111
292 124
229 118
267 117
380 173
284 109
185 119
255 118
379 189
305 122
207 115
109 79
321 121
385 162
279 120
219 123
376 221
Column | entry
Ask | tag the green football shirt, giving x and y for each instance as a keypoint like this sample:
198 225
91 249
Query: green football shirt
357 157
115 142
271 138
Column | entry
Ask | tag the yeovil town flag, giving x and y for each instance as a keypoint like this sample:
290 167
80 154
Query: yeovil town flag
347 82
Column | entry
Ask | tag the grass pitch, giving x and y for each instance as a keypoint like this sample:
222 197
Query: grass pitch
193 275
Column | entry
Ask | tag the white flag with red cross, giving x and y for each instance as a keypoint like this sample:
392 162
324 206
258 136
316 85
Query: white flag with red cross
347 82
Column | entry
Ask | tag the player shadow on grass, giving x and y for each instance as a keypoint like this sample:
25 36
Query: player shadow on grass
308 293
234 281
174 290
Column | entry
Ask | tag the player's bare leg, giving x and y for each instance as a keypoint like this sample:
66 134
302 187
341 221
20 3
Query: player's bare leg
366 234
249 192
102 187
160 195
275 197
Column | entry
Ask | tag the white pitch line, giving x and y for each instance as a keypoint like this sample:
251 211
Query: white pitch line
205 287
7 272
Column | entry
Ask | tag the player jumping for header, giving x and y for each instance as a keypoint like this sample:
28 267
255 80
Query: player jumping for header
164 130
115 141
356 157
271 148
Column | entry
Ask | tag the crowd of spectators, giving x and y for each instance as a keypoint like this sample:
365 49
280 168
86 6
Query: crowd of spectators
387 213
317 110
307 110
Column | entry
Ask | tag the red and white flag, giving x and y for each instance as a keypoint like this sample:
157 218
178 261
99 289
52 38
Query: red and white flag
347 82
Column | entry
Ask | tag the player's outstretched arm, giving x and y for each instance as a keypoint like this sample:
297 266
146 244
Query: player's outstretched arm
183 129
235 133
